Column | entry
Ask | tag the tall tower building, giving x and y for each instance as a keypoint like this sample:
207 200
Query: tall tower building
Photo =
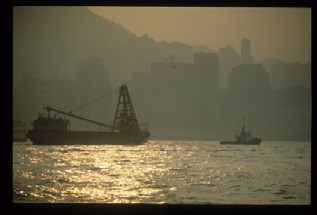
206 65
246 57
93 78
93 81
249 86
207 69
228 58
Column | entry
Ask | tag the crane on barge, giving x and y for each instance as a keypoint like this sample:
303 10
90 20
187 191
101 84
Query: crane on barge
125 128
125 117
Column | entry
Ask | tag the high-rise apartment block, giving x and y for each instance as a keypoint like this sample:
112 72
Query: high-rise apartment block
246 57
93 81
228 58
249 86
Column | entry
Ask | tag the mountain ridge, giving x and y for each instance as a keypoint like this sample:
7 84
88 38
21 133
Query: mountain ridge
50 40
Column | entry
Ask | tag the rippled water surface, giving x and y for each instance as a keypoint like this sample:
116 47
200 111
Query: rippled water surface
180 172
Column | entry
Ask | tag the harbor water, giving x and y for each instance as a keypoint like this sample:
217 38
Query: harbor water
173 172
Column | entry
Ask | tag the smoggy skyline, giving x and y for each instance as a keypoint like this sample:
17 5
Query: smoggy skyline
282 33
62 53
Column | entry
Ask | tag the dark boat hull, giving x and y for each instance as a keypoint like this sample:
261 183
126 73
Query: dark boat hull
85 138
19 139
240 143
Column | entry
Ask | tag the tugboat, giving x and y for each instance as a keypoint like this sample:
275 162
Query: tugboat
55 131
244 138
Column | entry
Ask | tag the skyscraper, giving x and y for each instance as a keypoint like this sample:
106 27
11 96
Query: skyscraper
207 69
246 57
93 81
206 65
228 58
249 86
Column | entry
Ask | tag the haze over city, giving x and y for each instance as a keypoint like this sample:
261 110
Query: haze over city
217 64
163 105
282 33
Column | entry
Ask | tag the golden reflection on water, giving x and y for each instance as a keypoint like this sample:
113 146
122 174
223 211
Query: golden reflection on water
156 172
98 174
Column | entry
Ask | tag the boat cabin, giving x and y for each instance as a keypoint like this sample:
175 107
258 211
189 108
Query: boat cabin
43 123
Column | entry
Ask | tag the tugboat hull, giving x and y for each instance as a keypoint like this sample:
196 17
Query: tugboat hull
256 141
85 138
244 138
239 143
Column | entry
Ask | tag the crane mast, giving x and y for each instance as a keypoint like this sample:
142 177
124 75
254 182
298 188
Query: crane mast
125 117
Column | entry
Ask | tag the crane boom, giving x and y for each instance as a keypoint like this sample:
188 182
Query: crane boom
81 118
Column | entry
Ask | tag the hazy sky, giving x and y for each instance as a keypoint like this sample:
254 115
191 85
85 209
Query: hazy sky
283 33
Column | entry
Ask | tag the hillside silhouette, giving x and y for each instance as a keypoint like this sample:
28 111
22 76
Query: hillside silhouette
50 40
